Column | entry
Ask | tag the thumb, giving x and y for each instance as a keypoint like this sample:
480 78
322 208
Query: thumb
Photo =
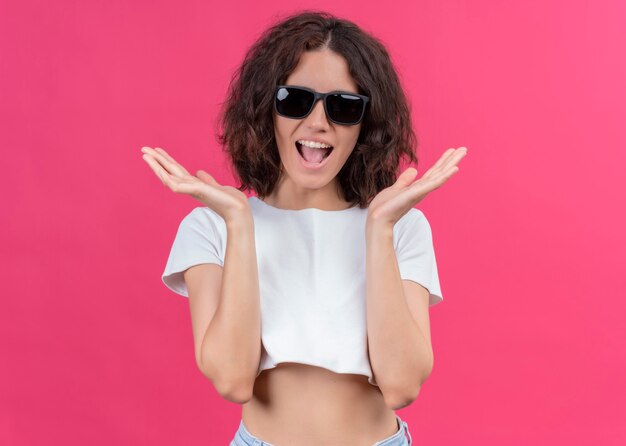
206 177
406 177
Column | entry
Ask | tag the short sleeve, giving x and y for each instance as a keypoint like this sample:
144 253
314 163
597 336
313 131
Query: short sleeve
198 240
416 254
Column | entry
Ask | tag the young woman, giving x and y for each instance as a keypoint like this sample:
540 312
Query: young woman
309 302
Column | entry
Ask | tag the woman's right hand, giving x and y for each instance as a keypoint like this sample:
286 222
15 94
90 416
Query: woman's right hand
229 202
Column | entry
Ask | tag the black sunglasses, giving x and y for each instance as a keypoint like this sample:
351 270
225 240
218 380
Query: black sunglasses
342 107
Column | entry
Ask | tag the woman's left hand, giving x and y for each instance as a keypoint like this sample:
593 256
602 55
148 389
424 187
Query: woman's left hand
390 204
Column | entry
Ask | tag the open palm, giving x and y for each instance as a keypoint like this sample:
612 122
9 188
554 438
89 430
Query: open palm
390 204
229 202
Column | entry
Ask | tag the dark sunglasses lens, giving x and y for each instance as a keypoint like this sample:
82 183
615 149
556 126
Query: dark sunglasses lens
293 102
345 108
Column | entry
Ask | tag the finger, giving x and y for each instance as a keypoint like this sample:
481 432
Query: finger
167 156
171 166
434 182
440 162
184 185
445 175
159 171
207 178
449 158
405 178
455 158
434 178
445 157
170 159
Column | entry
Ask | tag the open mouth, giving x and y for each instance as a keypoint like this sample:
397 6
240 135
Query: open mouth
313 154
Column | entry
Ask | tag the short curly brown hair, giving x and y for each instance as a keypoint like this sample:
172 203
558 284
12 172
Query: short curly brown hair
246 116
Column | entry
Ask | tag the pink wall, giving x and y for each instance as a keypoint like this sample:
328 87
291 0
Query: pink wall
529 234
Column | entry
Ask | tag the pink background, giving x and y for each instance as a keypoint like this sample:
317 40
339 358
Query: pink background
529 234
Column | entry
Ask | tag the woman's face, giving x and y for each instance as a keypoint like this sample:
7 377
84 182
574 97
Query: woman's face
322 71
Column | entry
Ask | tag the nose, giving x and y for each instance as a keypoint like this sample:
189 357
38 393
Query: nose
317 118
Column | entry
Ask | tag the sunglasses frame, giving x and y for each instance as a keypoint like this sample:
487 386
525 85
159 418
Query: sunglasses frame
323 96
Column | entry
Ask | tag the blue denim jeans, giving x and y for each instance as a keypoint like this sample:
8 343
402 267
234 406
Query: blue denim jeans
400 438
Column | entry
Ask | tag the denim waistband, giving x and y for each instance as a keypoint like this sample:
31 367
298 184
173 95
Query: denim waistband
244 437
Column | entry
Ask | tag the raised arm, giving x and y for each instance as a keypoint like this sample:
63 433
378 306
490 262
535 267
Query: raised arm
224 302
226 315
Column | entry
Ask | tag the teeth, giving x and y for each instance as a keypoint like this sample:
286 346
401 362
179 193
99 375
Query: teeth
313 144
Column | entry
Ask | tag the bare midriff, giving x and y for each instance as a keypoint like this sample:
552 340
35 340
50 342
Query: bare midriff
299 404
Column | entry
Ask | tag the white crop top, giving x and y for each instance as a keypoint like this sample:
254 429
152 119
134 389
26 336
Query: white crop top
311 266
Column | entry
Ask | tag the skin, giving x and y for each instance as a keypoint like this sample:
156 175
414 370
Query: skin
331 408
297 403
301 188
